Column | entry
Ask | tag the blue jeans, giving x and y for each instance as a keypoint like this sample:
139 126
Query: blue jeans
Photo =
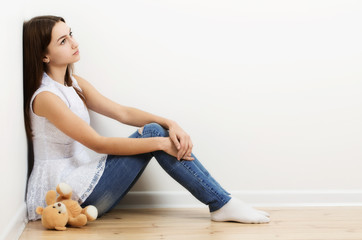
121 173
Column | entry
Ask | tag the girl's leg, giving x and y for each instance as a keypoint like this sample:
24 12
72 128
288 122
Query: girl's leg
120 174
197 180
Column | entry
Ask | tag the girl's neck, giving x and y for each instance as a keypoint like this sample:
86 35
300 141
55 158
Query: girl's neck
57 74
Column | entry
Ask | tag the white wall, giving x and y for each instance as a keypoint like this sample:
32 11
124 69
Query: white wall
270 91
12 134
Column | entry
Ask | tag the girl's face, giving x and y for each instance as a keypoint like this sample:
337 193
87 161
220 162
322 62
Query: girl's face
62 49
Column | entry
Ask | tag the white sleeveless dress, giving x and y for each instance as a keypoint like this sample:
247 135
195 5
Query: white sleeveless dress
57 157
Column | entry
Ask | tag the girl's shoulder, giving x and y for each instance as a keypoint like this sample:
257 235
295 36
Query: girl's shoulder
75 80
80 83
78 80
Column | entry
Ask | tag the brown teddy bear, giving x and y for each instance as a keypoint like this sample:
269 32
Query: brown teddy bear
63 210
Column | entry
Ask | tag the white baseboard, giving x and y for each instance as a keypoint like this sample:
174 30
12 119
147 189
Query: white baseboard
166 199
16 224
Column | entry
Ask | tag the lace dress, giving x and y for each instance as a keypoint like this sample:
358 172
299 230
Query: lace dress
57 157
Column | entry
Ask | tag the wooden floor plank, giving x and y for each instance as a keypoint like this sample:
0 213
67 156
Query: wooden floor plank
303 223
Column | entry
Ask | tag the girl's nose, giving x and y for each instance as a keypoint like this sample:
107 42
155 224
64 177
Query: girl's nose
74 43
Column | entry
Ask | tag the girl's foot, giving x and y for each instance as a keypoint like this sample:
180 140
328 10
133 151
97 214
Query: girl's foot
237 211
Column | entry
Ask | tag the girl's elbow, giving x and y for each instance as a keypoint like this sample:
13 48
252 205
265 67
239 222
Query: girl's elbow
98 145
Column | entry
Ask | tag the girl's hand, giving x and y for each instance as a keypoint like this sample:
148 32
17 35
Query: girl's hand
181 140
169 147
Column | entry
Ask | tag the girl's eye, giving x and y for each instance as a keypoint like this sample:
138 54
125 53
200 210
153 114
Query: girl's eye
63 41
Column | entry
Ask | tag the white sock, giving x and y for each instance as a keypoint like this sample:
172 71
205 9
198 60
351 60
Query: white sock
236 210
264 213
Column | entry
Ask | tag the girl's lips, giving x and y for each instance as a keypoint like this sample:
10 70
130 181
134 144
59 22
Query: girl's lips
76 53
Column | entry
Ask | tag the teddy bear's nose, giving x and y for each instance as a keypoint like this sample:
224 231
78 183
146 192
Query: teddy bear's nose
59 204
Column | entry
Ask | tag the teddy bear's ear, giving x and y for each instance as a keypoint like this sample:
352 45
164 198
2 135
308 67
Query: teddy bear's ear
61 228
50 197
39 210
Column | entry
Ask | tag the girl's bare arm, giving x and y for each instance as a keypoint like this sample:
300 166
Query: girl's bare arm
50 106
127 115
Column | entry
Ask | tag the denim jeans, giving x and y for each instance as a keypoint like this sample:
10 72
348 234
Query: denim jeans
121 173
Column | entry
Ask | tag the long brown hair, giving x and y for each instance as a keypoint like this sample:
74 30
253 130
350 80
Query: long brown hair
37 34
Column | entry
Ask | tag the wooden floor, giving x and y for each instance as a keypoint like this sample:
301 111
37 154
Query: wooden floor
304 223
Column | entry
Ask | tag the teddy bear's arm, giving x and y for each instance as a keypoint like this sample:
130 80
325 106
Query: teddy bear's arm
65 191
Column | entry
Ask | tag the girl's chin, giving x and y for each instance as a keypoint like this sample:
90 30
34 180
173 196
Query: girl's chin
76 59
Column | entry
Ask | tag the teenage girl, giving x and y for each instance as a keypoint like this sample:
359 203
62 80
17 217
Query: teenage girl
56 104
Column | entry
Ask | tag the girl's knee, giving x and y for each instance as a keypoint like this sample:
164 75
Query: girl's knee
155 128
